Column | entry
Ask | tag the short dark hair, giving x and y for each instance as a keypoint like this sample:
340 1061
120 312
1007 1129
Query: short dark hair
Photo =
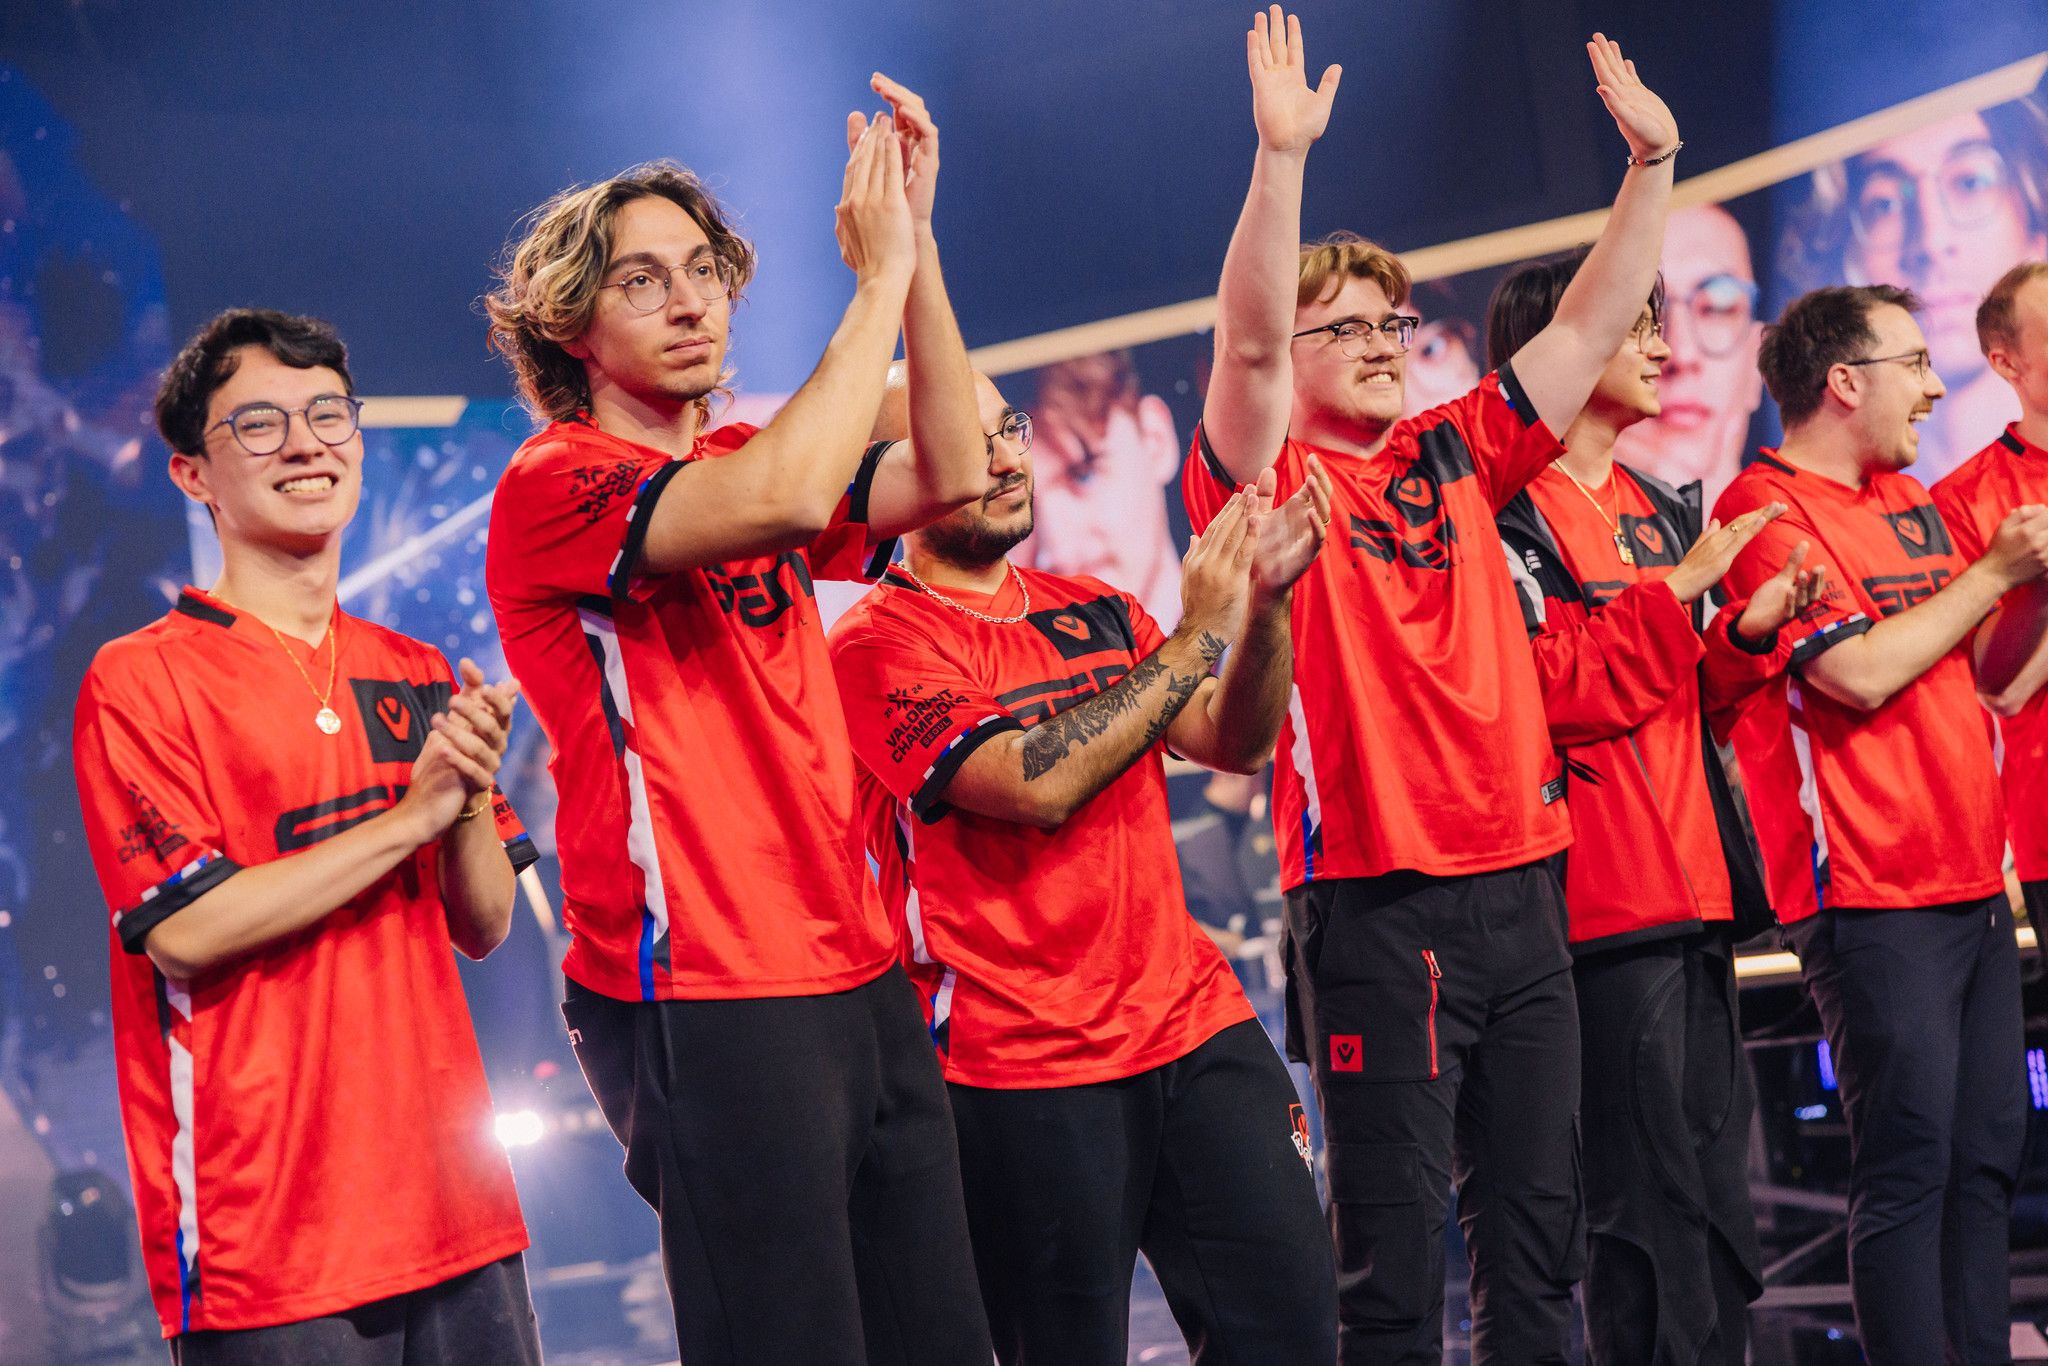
208 361
1818 331
1525 301
1996 323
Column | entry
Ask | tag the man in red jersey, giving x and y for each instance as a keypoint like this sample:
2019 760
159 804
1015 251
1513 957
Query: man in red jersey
733 995
1613 565
2012 325
282 804
1416 793
1868 767
1112 1089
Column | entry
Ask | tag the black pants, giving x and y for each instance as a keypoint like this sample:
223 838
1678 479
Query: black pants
1922 1013
1438 1019
481 1315
800 1154
2036 894
1195 1163
1672 1260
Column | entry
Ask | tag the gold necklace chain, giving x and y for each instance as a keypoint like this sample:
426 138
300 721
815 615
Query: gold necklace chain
1015 577
326 718
1621 545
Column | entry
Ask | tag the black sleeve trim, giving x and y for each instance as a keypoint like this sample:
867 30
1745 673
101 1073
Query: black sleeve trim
880 556
864 481
1210 462
522 853
1820 642
1743 643
928 802
1517 397
637 520
169 897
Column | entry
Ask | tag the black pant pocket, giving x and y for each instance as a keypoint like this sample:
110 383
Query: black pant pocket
1386 1270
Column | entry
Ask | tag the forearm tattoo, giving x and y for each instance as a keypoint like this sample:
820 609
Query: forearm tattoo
1052 740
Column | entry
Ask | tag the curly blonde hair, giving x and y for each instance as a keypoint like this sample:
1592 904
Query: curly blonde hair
548 278
1328 263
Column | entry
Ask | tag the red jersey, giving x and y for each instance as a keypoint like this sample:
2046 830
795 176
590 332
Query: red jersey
308 1127
1044 958
1415 735
1892 808
707 828
1662 763
1974 499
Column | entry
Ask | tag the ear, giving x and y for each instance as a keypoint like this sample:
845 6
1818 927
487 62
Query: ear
1845 386
2003 365
190 473
577 347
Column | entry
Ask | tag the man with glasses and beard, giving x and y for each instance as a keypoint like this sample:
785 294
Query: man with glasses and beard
1417 797
732 989
1112 1089
1868 766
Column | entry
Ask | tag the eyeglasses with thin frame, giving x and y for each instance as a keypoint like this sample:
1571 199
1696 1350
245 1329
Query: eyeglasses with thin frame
1015 428
1353 336
1972 183
1917 359
1647 327
646 287
261 428
1718 311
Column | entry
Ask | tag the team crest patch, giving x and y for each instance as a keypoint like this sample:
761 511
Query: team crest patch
1347 1053
1298 1119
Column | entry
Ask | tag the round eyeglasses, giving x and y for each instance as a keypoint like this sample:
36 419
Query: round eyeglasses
261 428
646 287
1016 429
1718 312
1354 337
1971 184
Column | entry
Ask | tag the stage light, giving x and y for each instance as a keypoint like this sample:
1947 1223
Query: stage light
2037 1077
1827 1066
1810 1112
519 1128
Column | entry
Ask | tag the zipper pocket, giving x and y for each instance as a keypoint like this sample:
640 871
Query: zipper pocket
1435 975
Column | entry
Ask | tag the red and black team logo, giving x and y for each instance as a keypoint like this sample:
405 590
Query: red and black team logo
1080 629
1298 1121
1920 531
1347 1053
1649 540
395 715
1424 535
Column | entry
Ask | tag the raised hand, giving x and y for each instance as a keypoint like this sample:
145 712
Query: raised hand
918 138
877 237
1215 574
1643 118
1288 113
1708 560
1784 597
1288 538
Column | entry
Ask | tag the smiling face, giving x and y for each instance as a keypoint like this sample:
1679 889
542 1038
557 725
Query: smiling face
297 499
673 355
1626 392
989 527
1891 398
1939 211
1359 398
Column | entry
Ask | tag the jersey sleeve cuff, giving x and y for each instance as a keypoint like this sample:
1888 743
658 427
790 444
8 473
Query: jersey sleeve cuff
522 853
170 896
1210 462
1517 397
928 802
1827 638
1762 646
864 481
620 581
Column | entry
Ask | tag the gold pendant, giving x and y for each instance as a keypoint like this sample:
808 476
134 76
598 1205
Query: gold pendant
1621 547
328 721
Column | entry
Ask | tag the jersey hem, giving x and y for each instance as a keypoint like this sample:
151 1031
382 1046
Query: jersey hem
627 987
1002 1079
1492 861
273 1313
1956 897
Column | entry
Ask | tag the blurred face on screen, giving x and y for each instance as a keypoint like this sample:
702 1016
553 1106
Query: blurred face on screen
1104 456
1443 363
1939 211
1710 385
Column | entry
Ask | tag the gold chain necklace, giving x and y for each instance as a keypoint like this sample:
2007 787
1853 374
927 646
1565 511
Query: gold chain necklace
326 718
1621 546
1017 578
